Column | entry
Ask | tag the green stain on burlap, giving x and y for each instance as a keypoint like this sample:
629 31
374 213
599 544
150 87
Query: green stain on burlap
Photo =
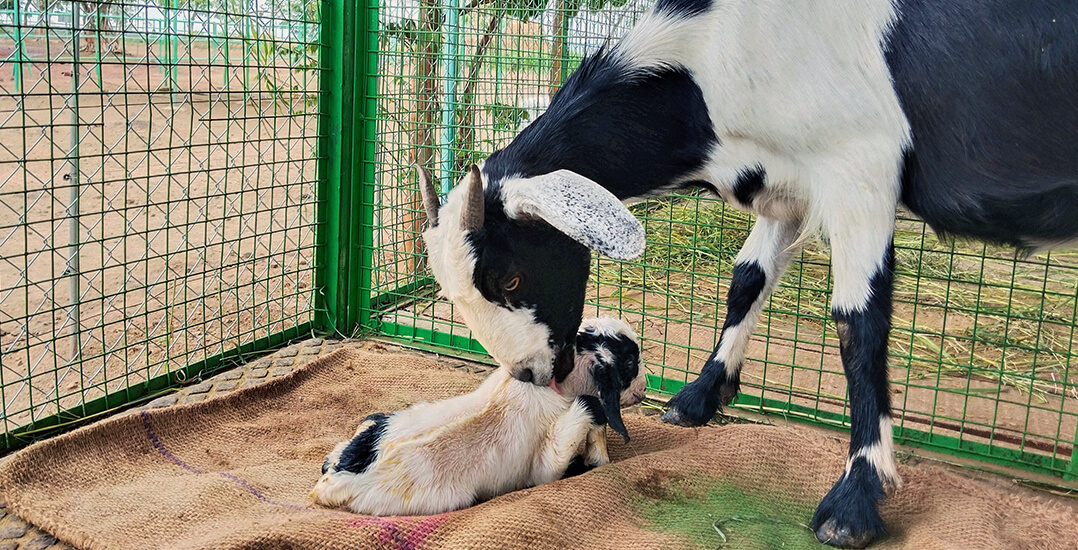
716 514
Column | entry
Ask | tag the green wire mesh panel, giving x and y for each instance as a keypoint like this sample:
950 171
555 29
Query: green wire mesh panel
157 188
983 340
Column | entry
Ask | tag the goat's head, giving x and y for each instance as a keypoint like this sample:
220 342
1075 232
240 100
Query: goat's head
513 257
608 366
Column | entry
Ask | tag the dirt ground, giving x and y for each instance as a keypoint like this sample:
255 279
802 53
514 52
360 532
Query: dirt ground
195 224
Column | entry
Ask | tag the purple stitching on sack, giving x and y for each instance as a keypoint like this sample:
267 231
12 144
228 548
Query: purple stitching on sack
161 446
163 451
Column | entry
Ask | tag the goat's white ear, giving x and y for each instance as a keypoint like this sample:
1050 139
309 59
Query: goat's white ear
578 207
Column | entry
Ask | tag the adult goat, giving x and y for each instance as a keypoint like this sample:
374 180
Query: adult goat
818 116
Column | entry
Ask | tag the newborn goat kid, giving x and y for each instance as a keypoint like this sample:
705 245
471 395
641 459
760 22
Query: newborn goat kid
504 436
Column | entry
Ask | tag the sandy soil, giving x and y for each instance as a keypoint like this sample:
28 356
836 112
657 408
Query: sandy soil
194 227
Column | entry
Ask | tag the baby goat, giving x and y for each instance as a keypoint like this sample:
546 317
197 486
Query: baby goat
504 436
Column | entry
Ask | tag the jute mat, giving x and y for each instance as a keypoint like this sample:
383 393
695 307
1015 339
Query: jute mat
234 472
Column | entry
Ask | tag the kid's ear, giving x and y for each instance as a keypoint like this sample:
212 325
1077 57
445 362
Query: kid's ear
608 380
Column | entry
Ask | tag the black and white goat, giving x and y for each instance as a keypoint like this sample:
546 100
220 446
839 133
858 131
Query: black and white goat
504 436
819 116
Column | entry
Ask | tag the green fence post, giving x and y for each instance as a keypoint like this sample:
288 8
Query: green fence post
20 53
98 18
564 36
174 49
449 106
74 210
364 148
347 164
328 259
1072 468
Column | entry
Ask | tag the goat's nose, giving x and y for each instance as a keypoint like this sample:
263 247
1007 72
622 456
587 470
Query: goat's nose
525 375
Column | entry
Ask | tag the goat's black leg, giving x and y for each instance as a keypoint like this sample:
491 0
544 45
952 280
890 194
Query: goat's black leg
861 306
758 267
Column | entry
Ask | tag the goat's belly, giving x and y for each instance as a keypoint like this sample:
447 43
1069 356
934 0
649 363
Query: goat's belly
1025 218
423 488
990 91
416 498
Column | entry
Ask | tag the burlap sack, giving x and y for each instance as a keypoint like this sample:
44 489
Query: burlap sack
235 472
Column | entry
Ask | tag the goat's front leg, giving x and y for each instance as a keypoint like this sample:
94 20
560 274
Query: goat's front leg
575 443
759 265
862 258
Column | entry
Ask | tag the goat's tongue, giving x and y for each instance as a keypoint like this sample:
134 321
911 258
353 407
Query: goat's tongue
555 386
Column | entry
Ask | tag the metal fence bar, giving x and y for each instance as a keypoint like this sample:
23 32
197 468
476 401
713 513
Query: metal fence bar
17 65
74 192
1072 470
366 117
346 224
451 62
329 300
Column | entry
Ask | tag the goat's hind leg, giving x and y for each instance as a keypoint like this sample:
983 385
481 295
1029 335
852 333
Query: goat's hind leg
759 265
354 455
573 445
347 460
595 453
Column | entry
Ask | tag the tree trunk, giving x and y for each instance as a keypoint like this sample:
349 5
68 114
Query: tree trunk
424 120
94 12
466 126
558 50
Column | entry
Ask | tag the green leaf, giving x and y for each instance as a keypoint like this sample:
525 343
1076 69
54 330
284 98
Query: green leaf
525 10
506 117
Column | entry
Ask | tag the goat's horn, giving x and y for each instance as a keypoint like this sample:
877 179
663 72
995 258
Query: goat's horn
429 193
472 215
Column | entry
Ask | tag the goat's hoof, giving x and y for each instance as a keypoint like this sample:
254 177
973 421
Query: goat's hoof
694 405
847 517
843 536
728 391
319 489
595 447
333 489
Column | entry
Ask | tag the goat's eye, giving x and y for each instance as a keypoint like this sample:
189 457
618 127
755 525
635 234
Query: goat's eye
512 284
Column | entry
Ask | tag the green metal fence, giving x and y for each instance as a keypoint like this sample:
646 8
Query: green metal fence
195 183
158 196
983 343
